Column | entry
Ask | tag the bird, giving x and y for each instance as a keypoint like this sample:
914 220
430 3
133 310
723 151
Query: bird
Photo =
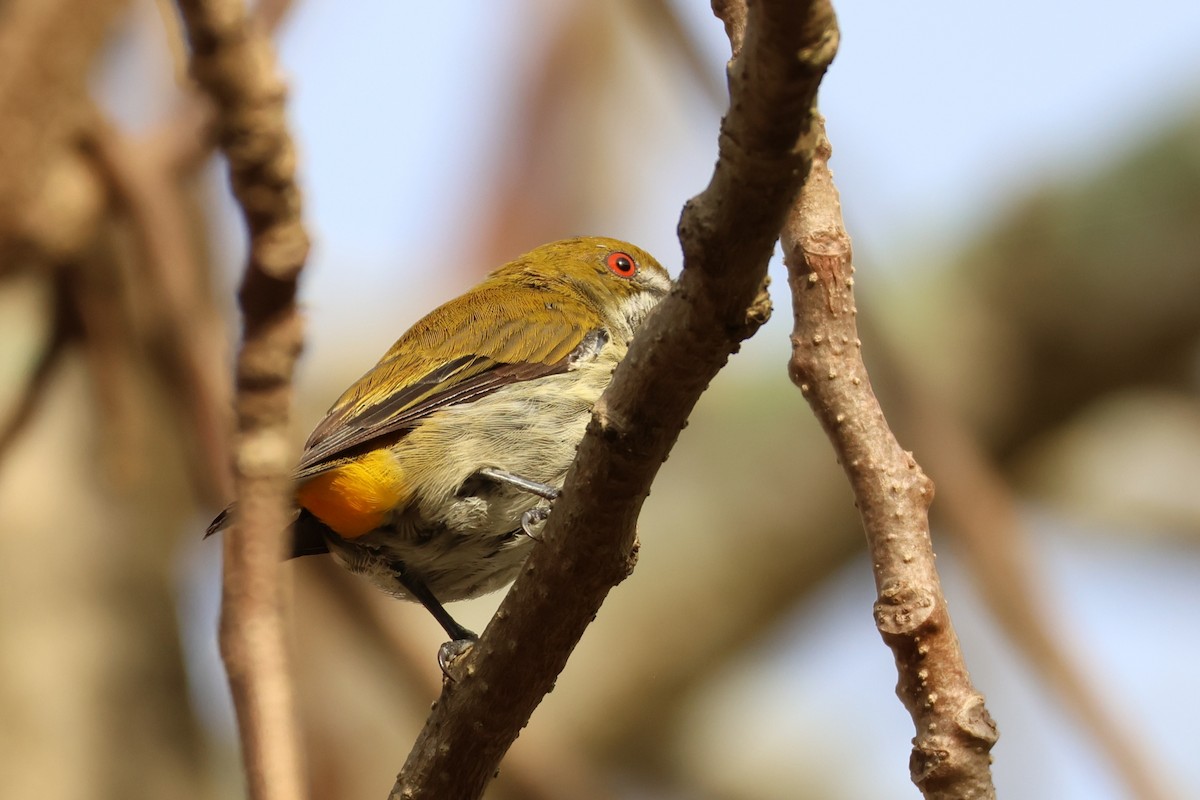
432 475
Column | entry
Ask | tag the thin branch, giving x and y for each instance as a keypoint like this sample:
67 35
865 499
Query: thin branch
149 193
734 14
954 732
185 141
979 509
39 377
98 294
233 61
728 233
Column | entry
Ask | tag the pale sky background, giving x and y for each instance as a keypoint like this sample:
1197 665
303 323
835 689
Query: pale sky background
941 113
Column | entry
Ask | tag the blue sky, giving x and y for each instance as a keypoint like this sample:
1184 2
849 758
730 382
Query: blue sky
940 113
938 110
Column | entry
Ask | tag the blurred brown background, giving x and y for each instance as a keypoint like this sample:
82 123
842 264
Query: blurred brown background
1028 243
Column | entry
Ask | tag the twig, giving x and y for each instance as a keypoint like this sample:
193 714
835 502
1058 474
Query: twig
233 61
955 733
727 233
978 508
184 142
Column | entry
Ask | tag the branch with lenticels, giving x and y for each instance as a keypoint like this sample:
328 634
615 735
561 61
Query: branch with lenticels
954 732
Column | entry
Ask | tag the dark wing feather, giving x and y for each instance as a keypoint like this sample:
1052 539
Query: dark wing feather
399 414
496 338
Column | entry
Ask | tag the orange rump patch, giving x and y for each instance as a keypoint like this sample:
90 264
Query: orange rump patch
355 498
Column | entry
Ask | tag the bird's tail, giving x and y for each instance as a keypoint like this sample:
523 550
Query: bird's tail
220 523
308 532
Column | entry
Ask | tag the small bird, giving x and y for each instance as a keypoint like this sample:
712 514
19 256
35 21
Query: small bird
432 474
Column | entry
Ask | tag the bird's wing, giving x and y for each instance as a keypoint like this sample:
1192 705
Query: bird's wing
485 355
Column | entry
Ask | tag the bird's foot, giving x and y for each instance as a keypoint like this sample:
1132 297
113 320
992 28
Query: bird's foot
451 651
533 519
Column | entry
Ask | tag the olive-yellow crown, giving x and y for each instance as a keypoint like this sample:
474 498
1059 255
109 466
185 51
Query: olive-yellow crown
594 280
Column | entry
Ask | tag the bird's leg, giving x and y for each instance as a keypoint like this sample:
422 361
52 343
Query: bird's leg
461 638
542 490
533 516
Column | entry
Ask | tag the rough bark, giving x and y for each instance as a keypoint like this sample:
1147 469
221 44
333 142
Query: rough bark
954 732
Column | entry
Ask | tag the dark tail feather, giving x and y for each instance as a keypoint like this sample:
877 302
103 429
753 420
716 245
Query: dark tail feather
220 523
308 532
308 536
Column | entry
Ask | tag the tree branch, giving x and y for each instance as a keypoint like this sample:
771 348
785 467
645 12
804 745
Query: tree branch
63 328
978 507
955 733
184 142
552 769
147 190
728 233
233 61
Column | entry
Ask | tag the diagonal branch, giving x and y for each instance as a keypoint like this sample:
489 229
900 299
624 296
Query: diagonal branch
951 751
184 142
728 233
980 510
184 324
233 62
548 769
64 327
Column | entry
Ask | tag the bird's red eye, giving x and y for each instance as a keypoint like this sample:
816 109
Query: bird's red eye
621 264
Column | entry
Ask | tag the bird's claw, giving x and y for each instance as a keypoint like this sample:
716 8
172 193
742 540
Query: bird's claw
532 518
451 651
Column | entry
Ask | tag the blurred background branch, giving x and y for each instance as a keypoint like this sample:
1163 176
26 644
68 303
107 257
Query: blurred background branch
234 62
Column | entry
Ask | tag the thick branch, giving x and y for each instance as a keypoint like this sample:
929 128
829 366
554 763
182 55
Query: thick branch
727 233
234 63
548 769
955 733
